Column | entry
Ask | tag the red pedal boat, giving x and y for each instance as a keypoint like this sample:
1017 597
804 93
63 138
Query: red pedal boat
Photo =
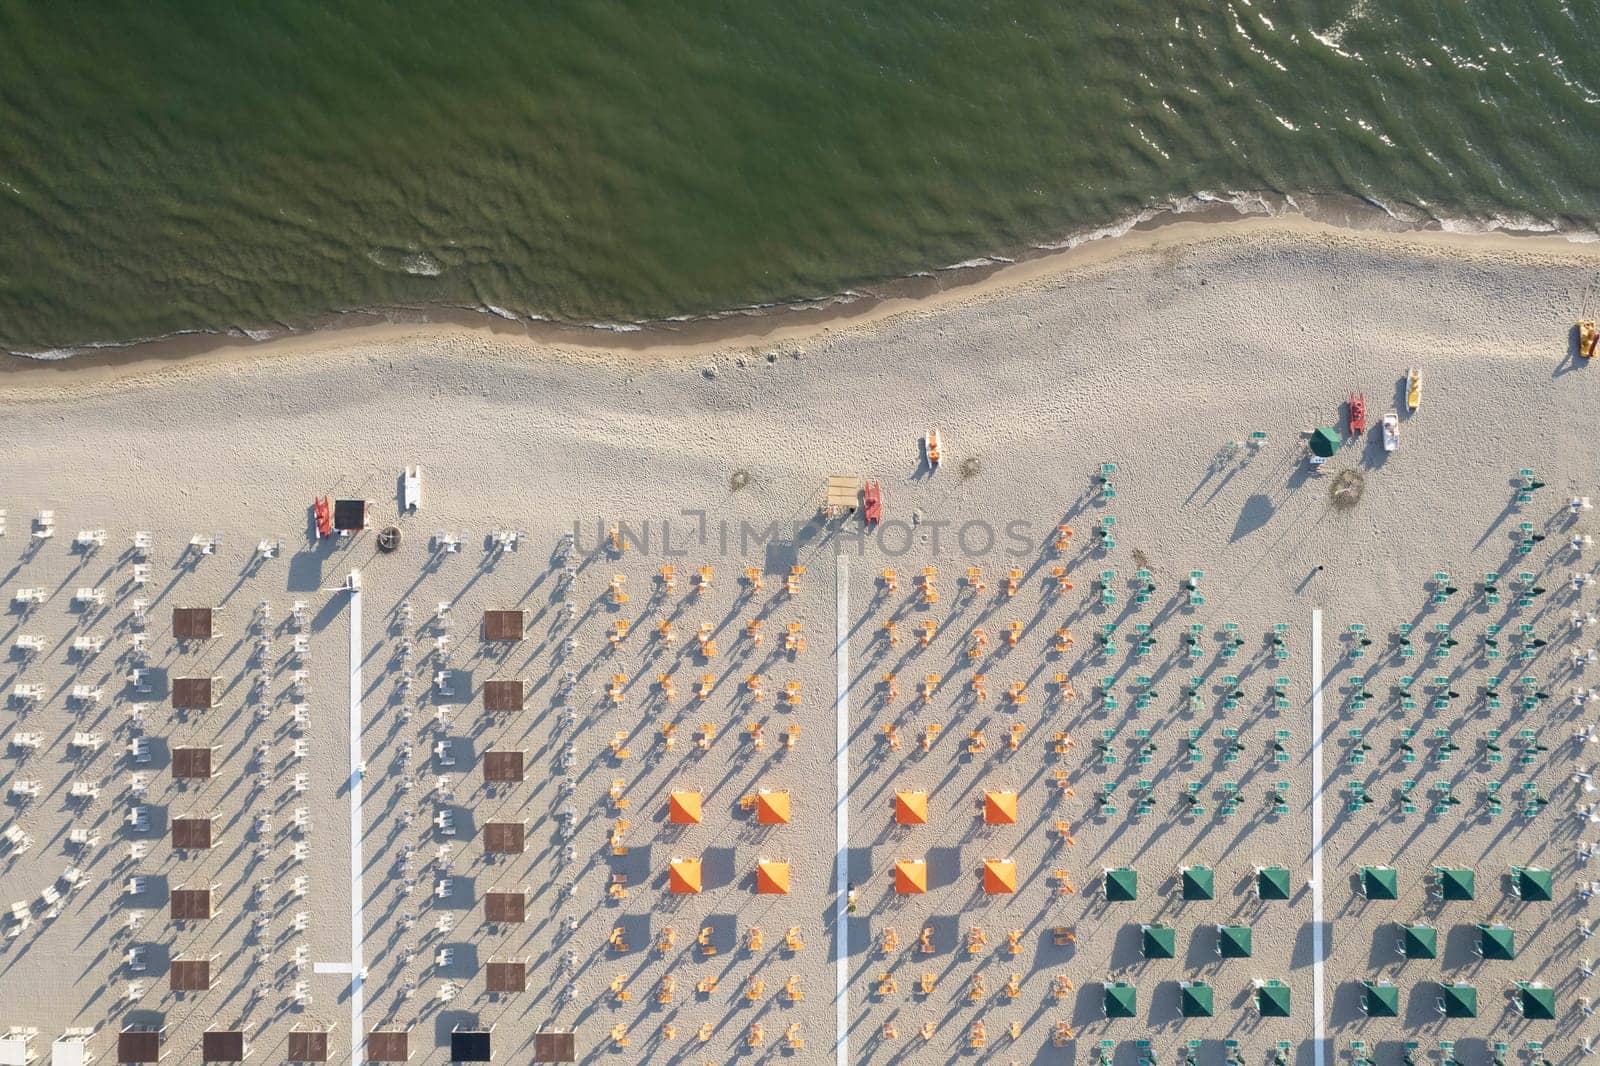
324 515
1358 413
872 503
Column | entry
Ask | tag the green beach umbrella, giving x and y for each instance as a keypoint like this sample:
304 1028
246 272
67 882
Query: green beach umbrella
1380 882
1532 884
1536 1002
1380 999
1159 942
1122 885
1497 943
1419 942
1324 442
1199 882
1457 885
1233 941
1272 882
1458 1001
1194 999
1122 1000
1272 999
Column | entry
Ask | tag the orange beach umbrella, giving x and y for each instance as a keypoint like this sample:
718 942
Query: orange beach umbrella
911 808
999 876
683 808
1000 808
772 808
772 878
911 877
683 877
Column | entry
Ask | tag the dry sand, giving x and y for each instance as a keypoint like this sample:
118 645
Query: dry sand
1151 355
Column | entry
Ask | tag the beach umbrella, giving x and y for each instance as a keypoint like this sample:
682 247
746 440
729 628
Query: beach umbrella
683 877
1122 885
1233 941
1536 1002
1531 884
1458 1001
1457 885
1380 882
999 876
772 878
911 808
1419 942
1194 999
1272 999
1497 943
1121 1000
1324 442
1159 942
1380 999
999 808
911 877
1199 882
683 808
772 808
1272 882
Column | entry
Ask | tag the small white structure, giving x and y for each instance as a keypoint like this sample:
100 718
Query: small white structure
411 484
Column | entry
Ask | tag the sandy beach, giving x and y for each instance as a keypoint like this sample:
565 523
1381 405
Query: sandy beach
1115 390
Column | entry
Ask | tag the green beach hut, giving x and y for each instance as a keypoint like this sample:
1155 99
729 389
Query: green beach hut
1497 943
1122 885
1418 942
1233 942
1198 882
1455 885
1380 999
1194 999
1121 1000
1380 882
1535 1001
1458 1001
1272 999
1158 942
1532 884
1272 883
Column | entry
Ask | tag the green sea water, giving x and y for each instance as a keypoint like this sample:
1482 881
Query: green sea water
170 166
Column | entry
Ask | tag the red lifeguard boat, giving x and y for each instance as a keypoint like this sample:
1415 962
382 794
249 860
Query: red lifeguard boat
324 515
1358 413
872 502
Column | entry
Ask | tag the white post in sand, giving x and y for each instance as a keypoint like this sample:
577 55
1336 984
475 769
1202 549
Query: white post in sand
1318 947
841 810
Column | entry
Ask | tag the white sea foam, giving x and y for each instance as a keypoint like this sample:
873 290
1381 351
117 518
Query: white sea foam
422 265
499 312
979 261
51 355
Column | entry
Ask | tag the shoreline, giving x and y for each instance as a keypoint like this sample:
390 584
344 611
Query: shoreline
725 332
